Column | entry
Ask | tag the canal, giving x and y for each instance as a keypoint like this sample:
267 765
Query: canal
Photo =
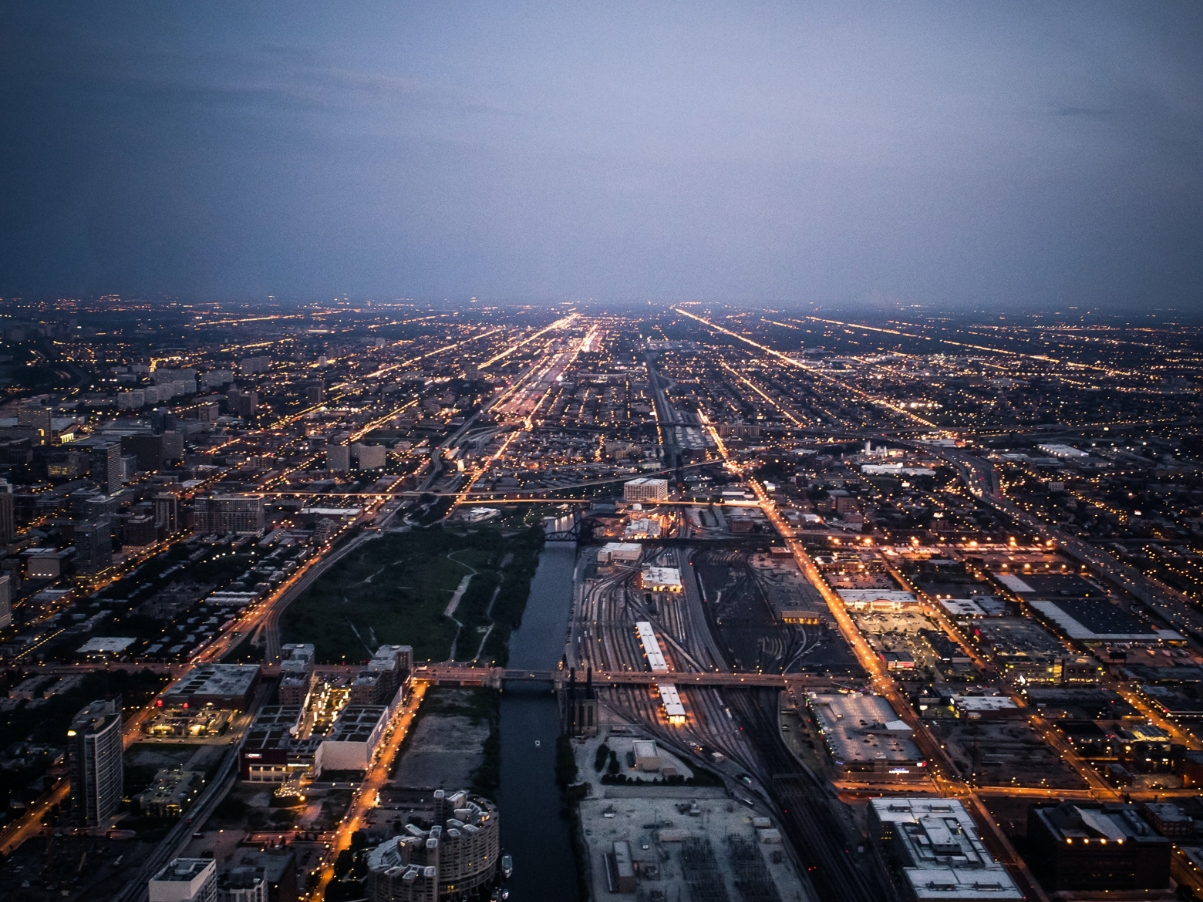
532 829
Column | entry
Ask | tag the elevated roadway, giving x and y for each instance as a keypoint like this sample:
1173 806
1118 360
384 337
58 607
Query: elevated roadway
452 675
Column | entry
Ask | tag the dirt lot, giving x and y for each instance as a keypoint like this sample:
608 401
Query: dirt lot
443 752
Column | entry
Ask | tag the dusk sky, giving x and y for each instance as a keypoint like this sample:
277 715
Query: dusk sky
1016 156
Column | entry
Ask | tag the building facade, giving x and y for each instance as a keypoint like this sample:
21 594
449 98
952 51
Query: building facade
94 751
456 854
185 880
229 515
645 489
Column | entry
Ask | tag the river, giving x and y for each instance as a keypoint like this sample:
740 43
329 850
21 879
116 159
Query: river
531 827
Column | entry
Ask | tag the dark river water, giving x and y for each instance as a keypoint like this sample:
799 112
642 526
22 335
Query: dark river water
531 827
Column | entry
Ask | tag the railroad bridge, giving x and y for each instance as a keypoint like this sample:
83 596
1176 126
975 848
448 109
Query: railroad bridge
500 677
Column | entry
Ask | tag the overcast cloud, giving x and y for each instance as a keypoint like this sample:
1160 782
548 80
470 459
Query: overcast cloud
1024 156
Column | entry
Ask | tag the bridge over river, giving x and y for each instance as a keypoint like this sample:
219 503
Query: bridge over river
499 677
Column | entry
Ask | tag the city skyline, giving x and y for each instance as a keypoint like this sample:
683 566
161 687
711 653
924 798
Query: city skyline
586 452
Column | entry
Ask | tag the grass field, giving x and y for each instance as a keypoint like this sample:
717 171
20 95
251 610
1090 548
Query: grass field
395 590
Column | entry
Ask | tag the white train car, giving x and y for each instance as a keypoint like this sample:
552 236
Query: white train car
670 700
651 647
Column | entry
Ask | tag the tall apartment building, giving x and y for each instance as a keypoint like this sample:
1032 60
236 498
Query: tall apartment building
242 403
93 546
106 466
167 513
338 458
645 489
8 525
369 457
37 419
254 365
94 760
447 859
185 880
229 514
6 602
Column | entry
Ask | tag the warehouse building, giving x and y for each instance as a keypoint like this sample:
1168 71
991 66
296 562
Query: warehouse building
662 579
619 552
219 685
1096 847
865 738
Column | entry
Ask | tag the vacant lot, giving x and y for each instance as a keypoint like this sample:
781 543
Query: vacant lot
398 589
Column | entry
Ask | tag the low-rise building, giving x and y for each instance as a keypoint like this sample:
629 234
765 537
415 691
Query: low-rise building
1079 846
941 855
219 685
171 792
662 579
619 552
865 738
185 880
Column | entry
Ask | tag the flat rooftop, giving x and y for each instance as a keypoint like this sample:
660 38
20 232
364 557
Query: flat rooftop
863 729
183 870
662 576
215 680
942 854
1089 620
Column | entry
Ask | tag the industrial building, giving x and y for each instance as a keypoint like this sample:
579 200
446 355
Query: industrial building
1027 652
1098 620
219 685
937 846
642 528
455 854
865 738
662 579
1096 847
645 489
579 714
620 868
94 751
185 880
619 552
